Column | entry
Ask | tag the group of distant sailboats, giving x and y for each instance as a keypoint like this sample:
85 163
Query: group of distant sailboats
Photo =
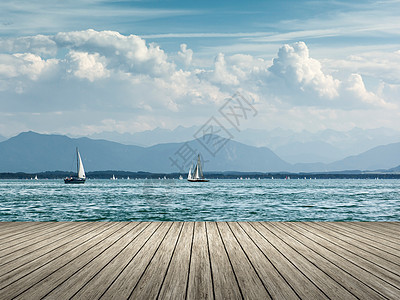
195 176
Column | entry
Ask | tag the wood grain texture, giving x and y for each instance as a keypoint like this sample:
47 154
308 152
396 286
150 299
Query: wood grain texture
175 281
199 260
127 280
225 283
200 285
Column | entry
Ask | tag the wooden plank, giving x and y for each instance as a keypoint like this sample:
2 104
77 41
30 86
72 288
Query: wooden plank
303 287
200 285
96 286
385 228
27 263
225 283
367 238
377 233
276 285
175 281
149 284
314 254
353 268
21 228
200 260
247 277
17 250
29 234
19 286
122 287
66 281
352 244
325 283
370 233
8 229
360 258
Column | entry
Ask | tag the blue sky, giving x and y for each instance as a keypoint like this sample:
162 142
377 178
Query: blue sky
127 66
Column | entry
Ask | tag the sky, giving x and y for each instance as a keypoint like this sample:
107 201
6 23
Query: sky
90 66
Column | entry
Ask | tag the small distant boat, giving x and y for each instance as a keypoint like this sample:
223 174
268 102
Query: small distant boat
113 178
127 178
180 177
36 177
197 175
81 177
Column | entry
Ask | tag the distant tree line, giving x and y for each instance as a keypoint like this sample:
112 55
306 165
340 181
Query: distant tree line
215 175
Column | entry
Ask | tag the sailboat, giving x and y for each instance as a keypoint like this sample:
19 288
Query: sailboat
81 177
197 175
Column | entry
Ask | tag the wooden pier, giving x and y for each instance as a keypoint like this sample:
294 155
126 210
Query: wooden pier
199 260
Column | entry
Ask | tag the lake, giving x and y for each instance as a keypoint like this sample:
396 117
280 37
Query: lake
217 200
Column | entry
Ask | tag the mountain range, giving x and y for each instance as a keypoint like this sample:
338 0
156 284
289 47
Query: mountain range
34 152
325 146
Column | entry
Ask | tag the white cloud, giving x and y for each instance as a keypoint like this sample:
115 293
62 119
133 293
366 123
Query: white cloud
103 80
221 74
186 55
356 87
24 64
89 66
41 45
126 53
296 67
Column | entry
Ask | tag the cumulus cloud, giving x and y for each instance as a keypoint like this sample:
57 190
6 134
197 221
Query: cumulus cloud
296 67
89 66
39 44
221 74
125 76
356 87
24 64
186 55
126 53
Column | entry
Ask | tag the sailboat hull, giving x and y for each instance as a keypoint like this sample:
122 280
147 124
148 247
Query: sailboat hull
198 180
74 180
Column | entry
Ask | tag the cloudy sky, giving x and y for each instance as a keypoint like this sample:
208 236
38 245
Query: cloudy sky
88 66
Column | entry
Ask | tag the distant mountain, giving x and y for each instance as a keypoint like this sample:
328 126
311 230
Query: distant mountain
395 169
33 152
149 137
309 152
2 138
325 146
381 157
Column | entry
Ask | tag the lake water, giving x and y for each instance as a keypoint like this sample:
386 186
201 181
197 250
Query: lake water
217 200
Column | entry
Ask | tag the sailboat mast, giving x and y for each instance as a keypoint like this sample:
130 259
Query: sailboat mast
77 161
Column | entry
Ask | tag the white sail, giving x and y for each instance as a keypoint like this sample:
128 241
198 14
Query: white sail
81 170
196 172
190 173
200 171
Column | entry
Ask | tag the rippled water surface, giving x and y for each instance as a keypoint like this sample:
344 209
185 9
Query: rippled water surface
217 200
